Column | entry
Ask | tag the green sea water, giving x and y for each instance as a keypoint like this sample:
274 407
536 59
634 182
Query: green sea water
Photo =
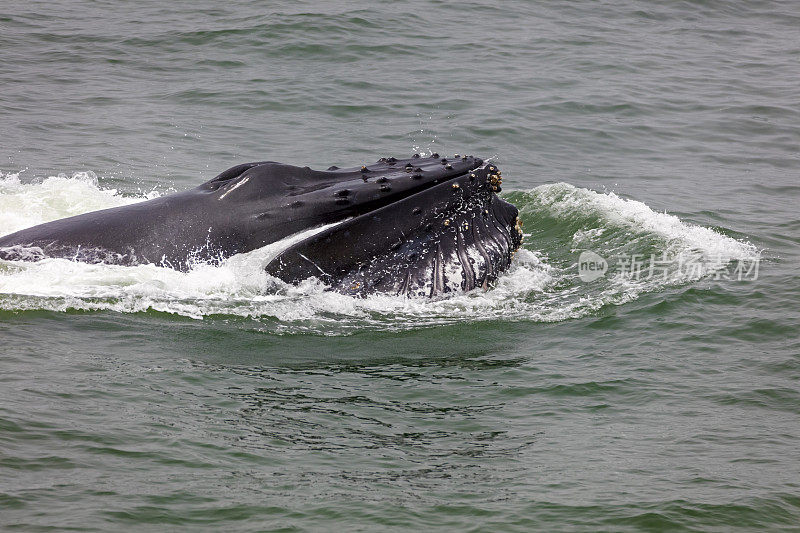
664 135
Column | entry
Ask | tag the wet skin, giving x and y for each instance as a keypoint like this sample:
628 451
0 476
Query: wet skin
423 226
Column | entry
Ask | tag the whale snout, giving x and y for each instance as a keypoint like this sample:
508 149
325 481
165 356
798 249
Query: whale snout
451 234
370 186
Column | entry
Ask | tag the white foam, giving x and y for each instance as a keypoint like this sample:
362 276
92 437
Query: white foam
532 289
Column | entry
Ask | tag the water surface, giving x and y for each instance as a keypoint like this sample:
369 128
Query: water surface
144 398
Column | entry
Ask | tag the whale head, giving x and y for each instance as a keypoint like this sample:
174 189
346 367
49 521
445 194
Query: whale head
419 227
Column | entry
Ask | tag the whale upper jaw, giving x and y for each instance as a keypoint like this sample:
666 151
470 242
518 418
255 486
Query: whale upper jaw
454 234
274 200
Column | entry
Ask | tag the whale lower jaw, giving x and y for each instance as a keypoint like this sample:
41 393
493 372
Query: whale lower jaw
456 236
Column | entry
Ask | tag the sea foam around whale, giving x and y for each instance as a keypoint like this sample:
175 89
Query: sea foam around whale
542 284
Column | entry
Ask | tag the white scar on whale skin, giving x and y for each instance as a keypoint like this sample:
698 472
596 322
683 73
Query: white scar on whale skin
226 193
312 262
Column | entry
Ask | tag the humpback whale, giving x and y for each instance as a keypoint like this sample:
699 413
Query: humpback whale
419 227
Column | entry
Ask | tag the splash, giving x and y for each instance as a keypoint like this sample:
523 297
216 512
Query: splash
541 284
26 205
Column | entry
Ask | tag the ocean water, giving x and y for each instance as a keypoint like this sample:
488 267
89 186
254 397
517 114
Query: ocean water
659 140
